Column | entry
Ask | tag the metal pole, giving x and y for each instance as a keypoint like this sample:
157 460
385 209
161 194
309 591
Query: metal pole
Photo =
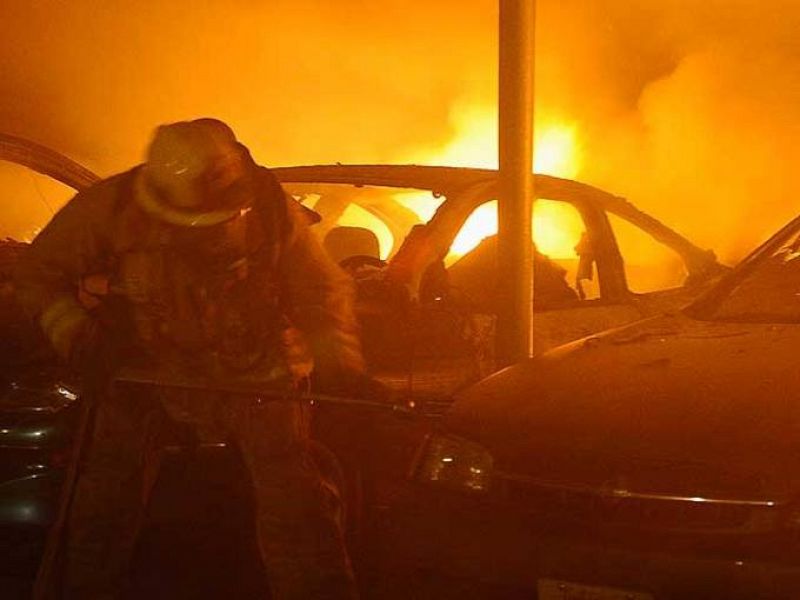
515 133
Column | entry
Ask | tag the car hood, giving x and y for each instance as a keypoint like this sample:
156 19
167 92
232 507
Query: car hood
666 405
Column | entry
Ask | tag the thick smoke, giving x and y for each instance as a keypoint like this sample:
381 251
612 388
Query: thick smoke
301 81
690 108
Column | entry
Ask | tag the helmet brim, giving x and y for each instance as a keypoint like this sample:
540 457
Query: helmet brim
152 203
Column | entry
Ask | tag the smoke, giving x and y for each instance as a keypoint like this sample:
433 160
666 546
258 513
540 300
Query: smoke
689 108
300 81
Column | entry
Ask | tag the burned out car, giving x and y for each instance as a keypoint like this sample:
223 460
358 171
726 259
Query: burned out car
654 461
428 309
424 302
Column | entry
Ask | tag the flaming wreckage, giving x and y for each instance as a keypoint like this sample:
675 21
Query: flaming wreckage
427 314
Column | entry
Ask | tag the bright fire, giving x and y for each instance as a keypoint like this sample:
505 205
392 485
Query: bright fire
475 145
355 216
557 227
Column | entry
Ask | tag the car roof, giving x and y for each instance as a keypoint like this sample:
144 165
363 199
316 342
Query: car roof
448 179
434 178
46 161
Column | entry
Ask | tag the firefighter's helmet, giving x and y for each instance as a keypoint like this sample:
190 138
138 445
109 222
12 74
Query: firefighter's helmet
196 174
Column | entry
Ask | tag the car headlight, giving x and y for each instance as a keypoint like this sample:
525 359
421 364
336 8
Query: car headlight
455 462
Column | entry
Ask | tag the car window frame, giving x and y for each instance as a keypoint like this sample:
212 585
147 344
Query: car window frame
462 199
608 259
46 161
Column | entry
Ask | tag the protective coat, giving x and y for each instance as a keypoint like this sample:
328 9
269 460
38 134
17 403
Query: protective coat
252 300
104 232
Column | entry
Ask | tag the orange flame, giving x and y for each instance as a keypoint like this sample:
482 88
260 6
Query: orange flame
355 216
557 227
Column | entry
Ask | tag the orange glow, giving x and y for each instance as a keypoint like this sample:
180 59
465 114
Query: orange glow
557 147
557 229
481 224
423 204
29 201
653 88
355 216
557 152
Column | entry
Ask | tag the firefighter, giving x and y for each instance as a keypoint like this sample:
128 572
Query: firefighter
196 266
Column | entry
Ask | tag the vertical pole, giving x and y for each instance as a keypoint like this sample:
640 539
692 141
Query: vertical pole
515 137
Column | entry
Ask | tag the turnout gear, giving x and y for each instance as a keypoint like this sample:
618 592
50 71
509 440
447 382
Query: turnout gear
296 513
93 355
196 264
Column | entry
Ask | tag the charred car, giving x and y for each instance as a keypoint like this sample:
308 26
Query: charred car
427 314
653 461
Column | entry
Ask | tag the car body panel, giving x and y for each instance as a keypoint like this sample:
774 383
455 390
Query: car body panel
429 535
649 391
658 457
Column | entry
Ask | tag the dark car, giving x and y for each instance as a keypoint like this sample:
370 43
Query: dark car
654 461
428 329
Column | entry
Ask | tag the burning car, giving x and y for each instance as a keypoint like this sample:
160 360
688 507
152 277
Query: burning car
425 304
652 461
